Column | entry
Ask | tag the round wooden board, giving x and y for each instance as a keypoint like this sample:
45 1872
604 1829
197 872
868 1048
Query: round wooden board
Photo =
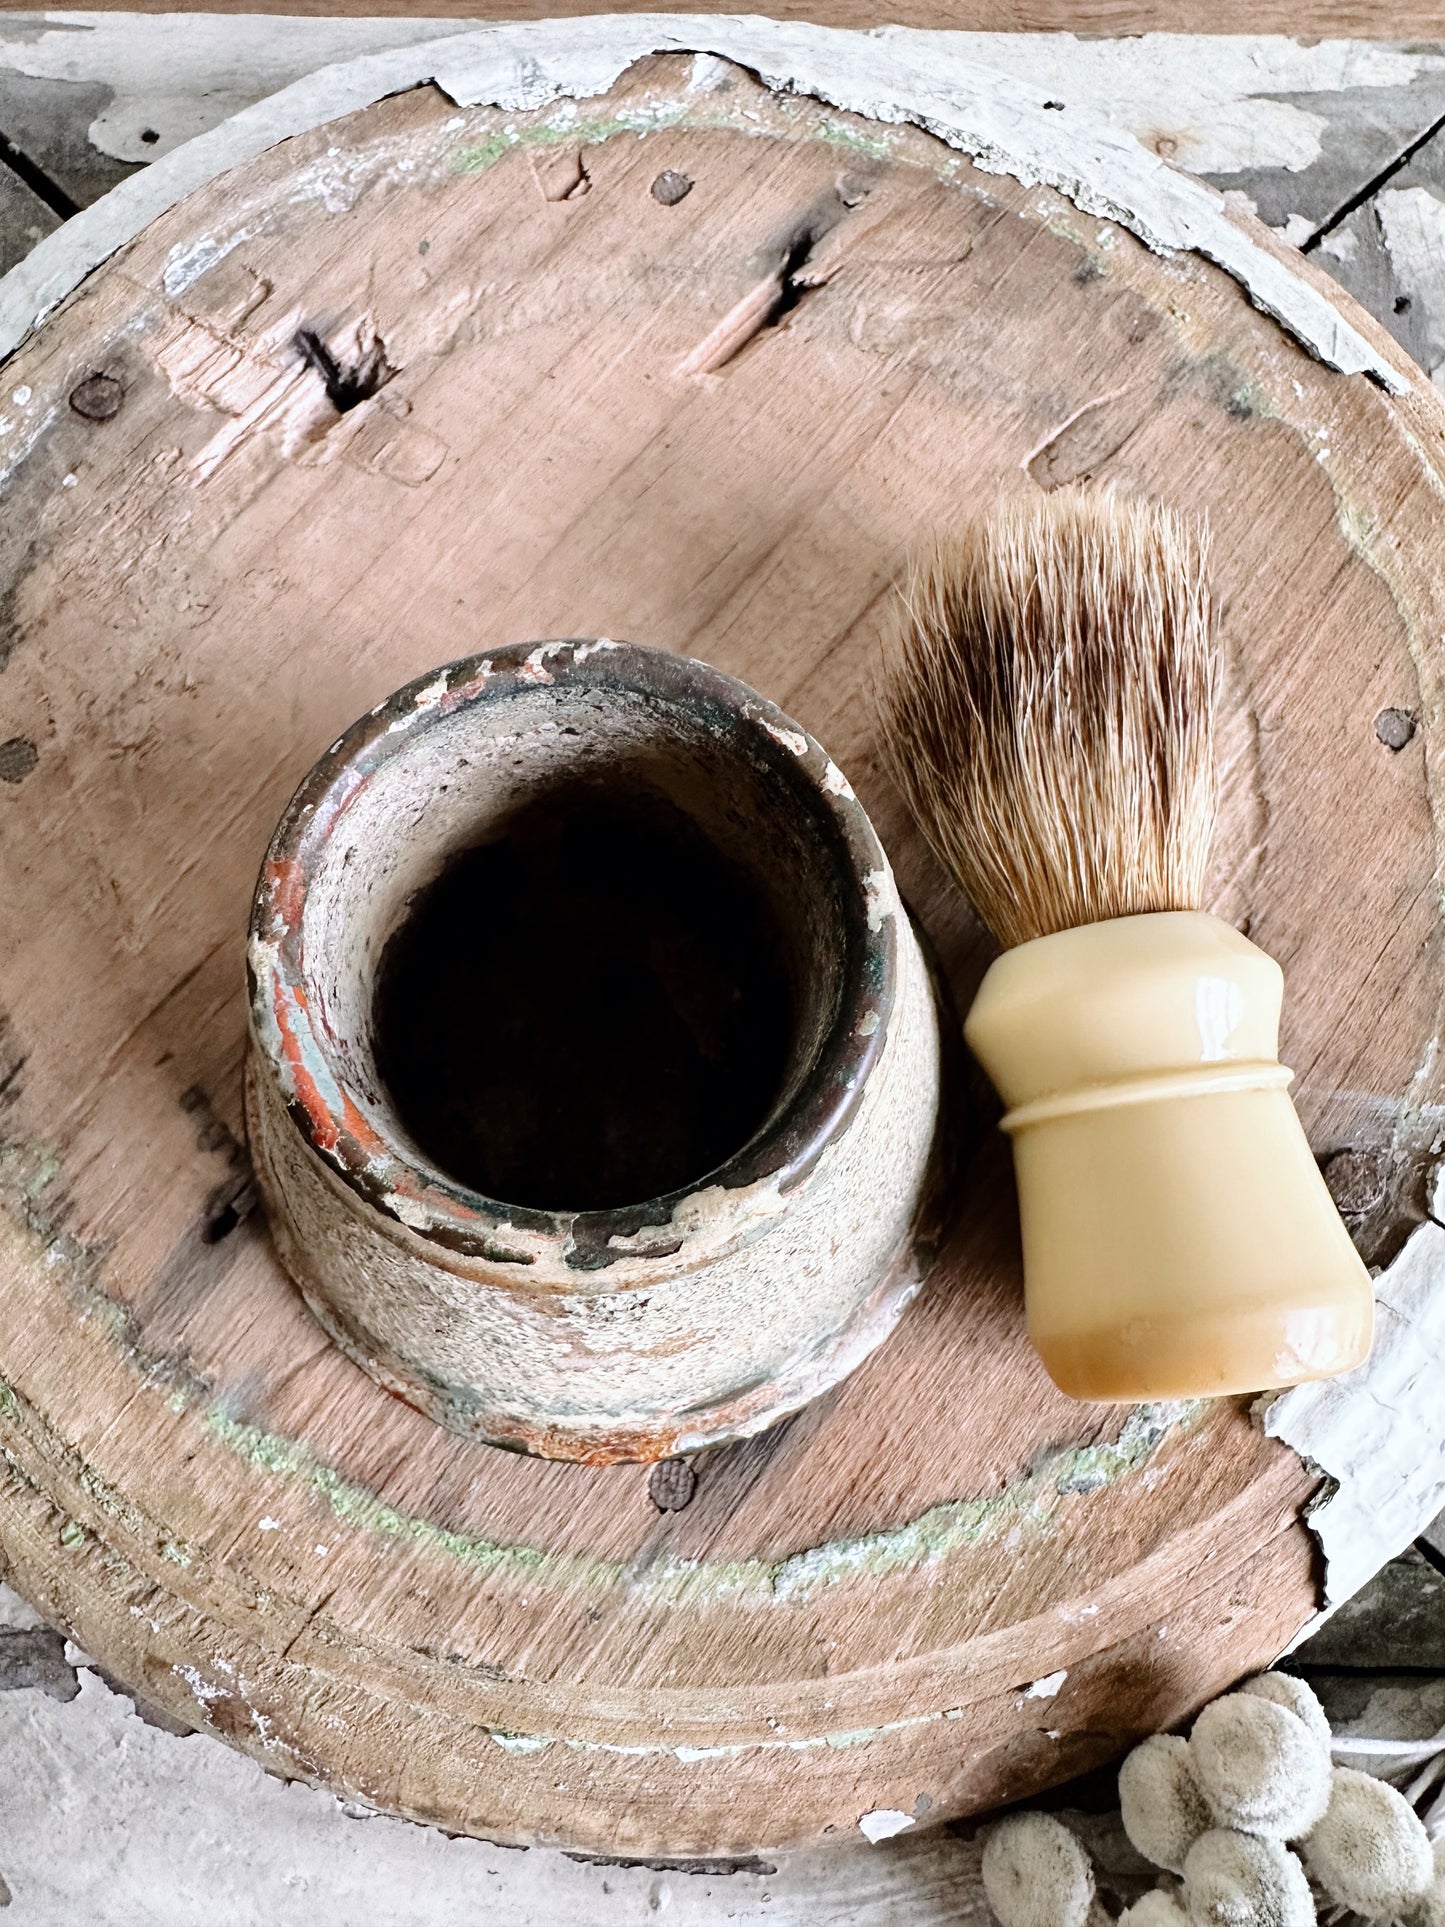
945 1585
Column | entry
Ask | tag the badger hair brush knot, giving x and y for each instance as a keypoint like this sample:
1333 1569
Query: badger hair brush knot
1048 710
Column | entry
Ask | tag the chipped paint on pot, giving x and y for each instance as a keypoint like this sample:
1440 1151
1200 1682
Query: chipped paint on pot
637 1329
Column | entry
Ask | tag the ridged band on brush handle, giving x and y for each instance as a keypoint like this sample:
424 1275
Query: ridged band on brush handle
1209 1079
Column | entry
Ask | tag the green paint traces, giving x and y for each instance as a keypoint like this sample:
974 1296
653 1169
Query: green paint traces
1249 402
355 1506
581 130
1031 1504
836 134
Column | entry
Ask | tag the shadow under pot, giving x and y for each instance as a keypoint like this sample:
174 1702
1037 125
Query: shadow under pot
593 1088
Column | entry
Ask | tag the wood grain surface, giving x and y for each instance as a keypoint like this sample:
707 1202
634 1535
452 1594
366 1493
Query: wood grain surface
1363 19
203 583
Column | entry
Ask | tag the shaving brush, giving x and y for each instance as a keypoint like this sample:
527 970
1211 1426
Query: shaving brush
1048 714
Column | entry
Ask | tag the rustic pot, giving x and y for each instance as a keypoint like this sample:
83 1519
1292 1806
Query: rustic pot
639 1326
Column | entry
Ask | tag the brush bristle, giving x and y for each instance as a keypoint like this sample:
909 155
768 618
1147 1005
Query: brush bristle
1048 710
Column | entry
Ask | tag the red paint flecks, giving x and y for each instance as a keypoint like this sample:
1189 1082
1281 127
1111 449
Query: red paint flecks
325 1132
359 1130
287 884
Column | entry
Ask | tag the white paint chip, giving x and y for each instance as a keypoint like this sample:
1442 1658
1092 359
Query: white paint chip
1046 1688
883 1822
1376 1431
1412 226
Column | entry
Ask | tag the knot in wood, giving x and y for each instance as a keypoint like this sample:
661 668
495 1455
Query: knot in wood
98 398
1356 1181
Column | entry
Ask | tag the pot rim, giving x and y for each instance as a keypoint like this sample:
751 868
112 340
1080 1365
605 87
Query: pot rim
395 1178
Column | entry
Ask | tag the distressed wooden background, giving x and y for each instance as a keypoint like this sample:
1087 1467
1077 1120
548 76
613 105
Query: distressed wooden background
110 1818
1416 19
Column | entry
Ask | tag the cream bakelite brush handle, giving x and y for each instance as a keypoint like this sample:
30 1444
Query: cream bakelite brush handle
1178 1238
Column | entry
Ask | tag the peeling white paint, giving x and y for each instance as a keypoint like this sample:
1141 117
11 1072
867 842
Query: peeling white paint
792 739
432 693
1207 102
535 669
185 266
1376 1432
1046 1688
1412 226
883 1823
890 75
875 886
177 75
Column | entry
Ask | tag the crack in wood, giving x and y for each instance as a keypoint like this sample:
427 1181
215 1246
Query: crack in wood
345 386
794 274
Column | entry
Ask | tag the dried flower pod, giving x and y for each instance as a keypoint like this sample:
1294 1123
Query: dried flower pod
1238 1880
1370 1852
1260 1767
1155 1909
1163 1809
1301 1700
1431 1910
1036 1874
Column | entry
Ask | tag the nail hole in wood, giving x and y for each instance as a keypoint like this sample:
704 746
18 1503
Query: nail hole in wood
670 187
149 136
1394 727
228 1209
17 758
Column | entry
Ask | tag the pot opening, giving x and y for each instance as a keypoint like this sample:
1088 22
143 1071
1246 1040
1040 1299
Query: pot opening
590 1008
578 947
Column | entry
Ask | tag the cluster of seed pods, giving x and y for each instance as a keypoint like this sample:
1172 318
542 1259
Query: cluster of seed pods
1249 1816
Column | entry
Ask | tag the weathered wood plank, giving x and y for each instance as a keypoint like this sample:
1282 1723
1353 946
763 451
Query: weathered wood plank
52 120
1359 19
24 219
1297 128
1397 1621
1390 254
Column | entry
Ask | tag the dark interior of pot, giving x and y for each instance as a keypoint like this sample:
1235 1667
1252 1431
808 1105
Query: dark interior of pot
628 1012
627 928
